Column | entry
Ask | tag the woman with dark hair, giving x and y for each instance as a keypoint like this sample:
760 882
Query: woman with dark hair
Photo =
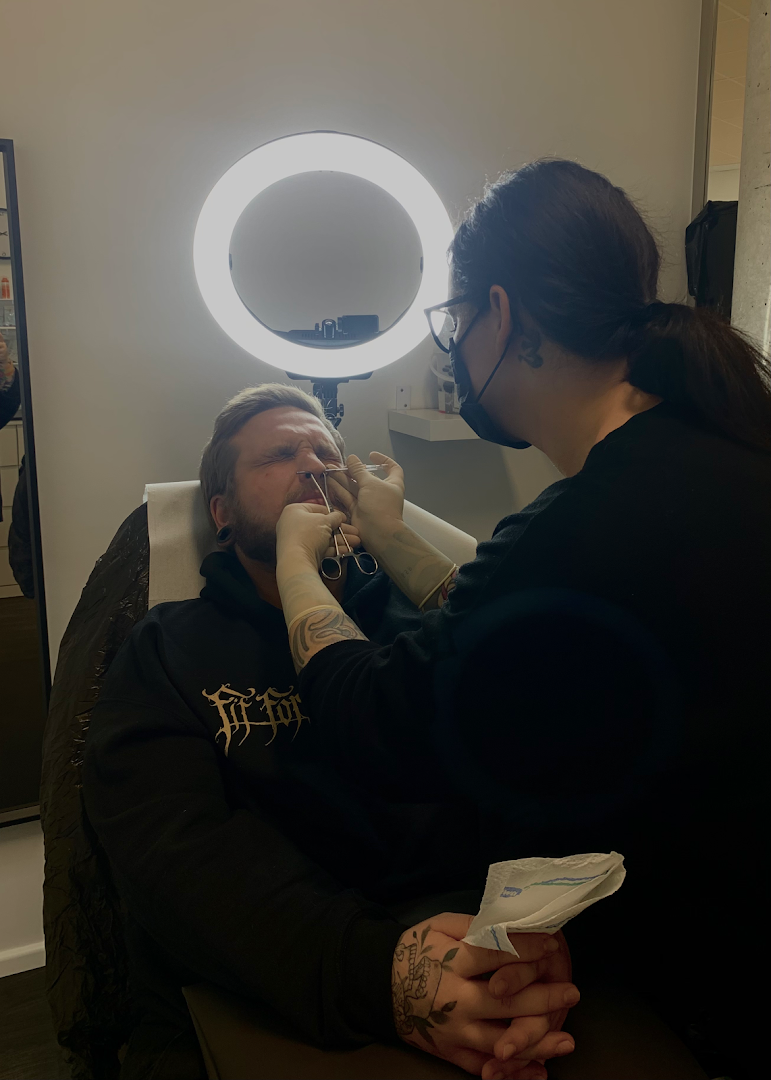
597 678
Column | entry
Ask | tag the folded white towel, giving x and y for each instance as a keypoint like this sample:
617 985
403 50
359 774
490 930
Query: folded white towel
538 896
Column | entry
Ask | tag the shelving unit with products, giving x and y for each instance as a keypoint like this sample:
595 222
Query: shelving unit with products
429 425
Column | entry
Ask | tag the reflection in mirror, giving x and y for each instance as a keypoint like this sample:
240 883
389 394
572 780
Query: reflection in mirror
326 259
23 659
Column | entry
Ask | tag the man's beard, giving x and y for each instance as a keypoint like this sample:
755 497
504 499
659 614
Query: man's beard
257 539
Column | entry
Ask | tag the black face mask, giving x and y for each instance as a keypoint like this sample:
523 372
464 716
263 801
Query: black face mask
475 415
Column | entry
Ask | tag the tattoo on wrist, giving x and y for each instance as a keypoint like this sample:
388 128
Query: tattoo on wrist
317 630
447 588
531 343
438 598
415 981
414 566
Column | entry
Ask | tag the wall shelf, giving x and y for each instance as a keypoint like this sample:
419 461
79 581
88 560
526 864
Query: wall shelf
430 425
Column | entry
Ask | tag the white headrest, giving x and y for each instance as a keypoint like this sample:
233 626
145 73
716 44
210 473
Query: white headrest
181 536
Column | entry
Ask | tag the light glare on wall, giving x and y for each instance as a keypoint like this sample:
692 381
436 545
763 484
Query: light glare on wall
322 151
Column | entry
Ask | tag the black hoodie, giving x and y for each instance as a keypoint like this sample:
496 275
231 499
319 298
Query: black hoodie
241 853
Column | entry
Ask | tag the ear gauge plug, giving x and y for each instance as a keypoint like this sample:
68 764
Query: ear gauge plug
224 535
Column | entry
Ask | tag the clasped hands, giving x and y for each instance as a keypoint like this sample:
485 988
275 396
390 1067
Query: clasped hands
483 1010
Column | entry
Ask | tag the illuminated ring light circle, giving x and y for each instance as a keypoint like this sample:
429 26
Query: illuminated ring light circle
319 151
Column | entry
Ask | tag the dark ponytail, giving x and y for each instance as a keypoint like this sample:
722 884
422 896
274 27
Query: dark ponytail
575 252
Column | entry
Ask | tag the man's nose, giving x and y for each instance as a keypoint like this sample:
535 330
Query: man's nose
309 463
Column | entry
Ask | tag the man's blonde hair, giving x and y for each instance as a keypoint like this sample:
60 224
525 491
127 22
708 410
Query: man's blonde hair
219 458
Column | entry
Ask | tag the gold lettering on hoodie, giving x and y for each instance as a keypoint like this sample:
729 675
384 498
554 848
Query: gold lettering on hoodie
279 706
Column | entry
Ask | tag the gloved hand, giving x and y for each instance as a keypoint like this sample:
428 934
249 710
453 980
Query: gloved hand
374 506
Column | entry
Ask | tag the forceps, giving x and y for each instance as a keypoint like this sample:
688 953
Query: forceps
333 563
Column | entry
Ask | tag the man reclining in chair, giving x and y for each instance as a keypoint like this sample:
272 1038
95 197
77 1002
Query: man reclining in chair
242 856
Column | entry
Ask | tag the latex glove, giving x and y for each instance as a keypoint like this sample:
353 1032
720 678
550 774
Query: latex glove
374 506
304 533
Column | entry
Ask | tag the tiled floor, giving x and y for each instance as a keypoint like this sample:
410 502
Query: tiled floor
28 1049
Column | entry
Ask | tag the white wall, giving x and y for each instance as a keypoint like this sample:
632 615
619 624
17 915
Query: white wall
723 183
124 115
21 898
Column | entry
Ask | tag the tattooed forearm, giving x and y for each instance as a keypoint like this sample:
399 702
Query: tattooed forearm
531 343
416 567
314 619
415 983
313 632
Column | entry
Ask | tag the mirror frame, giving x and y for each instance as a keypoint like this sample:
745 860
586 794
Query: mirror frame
14 239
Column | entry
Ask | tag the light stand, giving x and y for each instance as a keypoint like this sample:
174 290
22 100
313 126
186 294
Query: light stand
326 392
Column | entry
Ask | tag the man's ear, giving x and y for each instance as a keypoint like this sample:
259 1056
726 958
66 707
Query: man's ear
219 511
507 324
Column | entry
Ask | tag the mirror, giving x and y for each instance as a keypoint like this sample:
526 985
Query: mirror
24 668
326 259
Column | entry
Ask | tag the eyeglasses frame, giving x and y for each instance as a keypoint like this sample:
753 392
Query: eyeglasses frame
463 299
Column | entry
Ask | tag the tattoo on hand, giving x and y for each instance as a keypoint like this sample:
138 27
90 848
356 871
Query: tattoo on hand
415 980
531 343
319 629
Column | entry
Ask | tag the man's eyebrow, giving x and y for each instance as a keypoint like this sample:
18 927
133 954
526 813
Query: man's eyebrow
321 447
279 448
330 448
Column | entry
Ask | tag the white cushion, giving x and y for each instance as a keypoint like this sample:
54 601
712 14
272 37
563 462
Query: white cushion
181 536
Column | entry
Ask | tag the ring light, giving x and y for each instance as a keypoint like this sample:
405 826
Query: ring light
319 151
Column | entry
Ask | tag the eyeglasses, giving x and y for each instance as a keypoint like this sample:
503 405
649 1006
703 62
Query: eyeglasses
441 323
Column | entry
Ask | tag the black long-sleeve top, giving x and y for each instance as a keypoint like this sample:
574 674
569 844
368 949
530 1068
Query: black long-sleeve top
600 679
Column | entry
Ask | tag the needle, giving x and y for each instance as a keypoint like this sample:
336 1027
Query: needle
344 468
338 468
